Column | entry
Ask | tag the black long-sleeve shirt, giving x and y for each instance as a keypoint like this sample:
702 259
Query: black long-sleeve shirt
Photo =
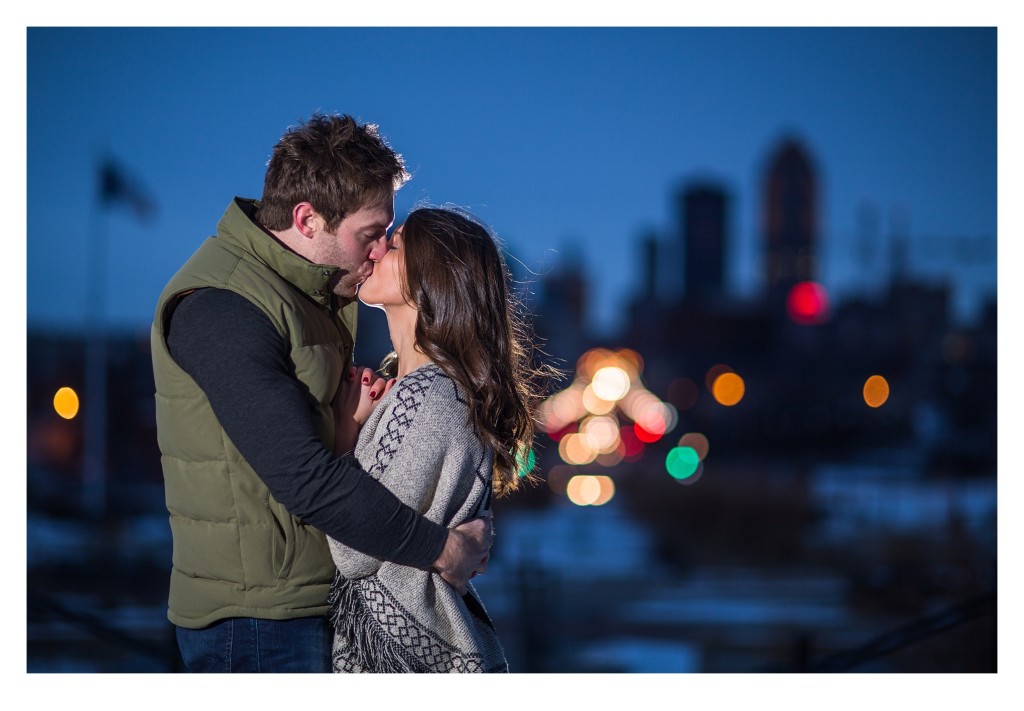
234 353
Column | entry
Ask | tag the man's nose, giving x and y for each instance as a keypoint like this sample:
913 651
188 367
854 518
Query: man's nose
379 249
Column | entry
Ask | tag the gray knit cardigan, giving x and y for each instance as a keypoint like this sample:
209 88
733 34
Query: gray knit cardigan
393 618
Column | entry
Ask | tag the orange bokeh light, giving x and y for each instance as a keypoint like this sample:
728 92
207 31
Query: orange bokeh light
728 389
65 402
876 391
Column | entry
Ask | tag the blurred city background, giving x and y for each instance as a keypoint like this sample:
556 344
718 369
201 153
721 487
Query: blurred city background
764 260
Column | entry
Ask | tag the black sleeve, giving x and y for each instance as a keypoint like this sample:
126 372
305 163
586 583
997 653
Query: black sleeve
235 354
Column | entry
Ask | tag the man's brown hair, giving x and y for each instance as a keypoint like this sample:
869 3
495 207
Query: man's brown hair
335 164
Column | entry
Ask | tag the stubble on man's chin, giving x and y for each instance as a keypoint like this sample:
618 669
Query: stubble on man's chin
343 292
344 285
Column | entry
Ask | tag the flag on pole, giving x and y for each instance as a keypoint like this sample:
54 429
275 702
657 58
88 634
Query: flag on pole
116 187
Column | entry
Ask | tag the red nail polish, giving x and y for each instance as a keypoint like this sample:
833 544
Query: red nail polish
373 393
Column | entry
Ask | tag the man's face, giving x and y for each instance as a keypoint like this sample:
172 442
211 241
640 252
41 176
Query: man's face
359 241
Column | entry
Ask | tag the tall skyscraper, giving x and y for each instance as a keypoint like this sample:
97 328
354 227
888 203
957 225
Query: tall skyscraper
789 221
703 210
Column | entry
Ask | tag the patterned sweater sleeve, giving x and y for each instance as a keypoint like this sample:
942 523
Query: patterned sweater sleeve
419 444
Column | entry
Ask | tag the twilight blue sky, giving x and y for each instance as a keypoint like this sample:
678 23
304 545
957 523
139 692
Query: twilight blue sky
560 138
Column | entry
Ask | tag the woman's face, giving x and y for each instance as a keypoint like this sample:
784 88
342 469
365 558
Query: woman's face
384 286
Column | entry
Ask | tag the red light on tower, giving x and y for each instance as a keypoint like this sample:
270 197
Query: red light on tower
807 303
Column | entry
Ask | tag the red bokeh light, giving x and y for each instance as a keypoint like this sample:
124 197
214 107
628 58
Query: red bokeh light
632 448
645 435
807 303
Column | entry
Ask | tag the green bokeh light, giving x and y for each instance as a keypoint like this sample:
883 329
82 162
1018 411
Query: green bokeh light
524 468
682 462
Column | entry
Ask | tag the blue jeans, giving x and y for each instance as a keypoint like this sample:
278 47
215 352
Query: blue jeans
248 645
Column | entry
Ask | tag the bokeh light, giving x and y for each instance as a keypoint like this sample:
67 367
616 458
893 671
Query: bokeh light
583 490
595 359
682 462
728 389
590 490
594 403
644 407
562 409
525 465
644 435
590 362
631 362
653 419
876 391
607 485
683 393
569 404
610 383
671 416
697 442
807 303
632 446
610 459
712 375
586 419
602 433
693 478
65 402
575 449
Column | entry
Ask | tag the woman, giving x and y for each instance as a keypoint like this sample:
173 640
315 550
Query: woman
455 419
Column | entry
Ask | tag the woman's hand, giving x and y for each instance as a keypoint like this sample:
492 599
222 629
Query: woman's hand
357 396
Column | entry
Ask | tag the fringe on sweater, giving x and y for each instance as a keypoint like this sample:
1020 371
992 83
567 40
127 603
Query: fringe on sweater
369 647
363 643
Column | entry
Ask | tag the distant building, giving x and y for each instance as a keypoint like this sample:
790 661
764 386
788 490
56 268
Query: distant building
560 311
789 221
702 214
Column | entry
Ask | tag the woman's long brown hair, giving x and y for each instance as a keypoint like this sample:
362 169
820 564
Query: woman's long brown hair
472 326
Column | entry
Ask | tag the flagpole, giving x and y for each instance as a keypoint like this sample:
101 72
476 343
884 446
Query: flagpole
94 460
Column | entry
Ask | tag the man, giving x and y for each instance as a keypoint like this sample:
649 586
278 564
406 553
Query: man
250 341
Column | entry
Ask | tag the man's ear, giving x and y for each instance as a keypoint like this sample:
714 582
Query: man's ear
306 220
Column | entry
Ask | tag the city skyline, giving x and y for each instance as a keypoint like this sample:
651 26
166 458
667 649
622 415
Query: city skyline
584 160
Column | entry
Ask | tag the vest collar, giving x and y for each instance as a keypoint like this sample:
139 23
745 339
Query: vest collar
238 226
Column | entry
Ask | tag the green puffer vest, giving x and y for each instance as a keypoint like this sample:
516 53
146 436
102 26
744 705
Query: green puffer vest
236 551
